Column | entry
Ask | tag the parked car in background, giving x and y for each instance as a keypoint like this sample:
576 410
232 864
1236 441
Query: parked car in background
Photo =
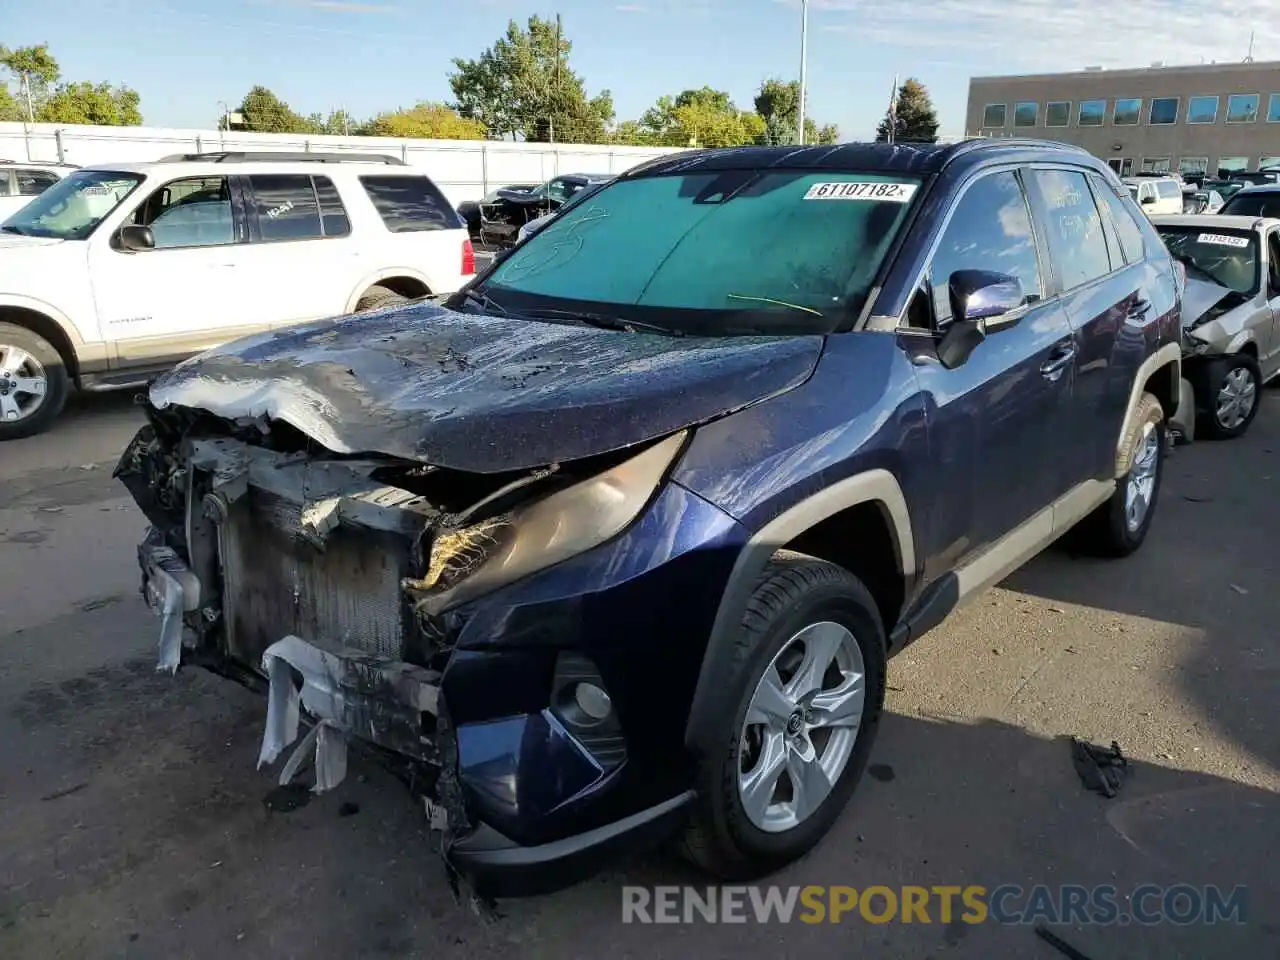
1226 188
117 272
533 226
501 220
612 545
1156 194
21 182
1202 201
1229 313
1255 177
1254 201
469 210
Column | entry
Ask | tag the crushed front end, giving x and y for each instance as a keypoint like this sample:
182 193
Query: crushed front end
358 594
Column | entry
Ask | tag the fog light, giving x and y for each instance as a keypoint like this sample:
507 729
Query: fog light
592 701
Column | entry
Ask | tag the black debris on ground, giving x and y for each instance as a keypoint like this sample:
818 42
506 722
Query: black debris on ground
1102 770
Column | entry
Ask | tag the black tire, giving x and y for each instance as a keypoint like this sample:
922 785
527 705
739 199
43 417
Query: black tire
1211 381
1107 531
794 591
57 382
377 297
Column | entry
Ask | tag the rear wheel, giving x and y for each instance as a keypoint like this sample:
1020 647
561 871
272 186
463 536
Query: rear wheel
33 383
808 674
377 297
1231 389
1119 526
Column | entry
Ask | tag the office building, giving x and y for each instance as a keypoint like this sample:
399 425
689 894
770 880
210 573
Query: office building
1210 118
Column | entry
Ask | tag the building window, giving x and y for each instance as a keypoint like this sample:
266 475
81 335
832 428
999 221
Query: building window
1092 113
1126 112
1126 167
993 115
1242 108
1273 108
1164 110
1025 114
1230 165
1202 110
1057 113
1192 166
1266 162
1155 164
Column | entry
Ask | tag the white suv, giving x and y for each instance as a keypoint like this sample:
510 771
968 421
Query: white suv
21 182
117 272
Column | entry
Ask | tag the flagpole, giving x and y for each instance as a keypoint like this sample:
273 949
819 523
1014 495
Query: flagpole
804 66
893 108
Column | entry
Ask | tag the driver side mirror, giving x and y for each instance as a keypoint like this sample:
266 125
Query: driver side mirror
981 301
1148 200
135 238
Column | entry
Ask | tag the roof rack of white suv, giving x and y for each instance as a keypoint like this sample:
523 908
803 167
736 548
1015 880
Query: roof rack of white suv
280 156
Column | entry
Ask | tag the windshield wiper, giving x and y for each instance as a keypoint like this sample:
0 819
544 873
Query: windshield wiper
601 320
485 302
1193 267
776 303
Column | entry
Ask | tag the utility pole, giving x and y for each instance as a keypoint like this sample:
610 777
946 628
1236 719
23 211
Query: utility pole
555 85
804 67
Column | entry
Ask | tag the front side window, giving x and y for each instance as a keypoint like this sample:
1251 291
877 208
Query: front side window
993 115
1025 114
286 206
32 183
1164 111
74 206
1123 218
1202 110
1057 113
1242 108
1076 239
1126 112
1224 256
734 251
410 204
195 212
990 229
1092 113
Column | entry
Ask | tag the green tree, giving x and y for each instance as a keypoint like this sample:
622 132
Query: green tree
912 118
90 103
9 108
36 71
778 104
432 121
523 86
264 112
695 118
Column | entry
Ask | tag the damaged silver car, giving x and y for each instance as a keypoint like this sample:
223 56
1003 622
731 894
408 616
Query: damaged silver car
1230 314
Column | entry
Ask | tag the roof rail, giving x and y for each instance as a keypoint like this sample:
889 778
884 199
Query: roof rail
282 156
980 143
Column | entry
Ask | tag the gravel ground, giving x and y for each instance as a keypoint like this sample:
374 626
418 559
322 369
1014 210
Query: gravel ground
132 823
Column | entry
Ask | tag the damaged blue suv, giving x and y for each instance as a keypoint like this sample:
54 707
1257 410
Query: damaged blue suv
611 547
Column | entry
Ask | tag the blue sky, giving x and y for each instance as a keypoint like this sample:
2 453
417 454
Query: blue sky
183 56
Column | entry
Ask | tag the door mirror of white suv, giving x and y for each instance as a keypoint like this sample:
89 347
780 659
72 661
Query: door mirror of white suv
1148 200
134 238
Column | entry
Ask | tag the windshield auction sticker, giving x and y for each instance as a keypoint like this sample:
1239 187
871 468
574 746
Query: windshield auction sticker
888 192
1222 240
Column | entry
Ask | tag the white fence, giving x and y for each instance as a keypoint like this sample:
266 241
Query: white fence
463 169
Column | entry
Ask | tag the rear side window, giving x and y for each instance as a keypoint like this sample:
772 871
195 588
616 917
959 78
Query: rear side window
1265 203
410 204
333 216
286 206
1122 216
1169 189
990 229
1076 240
32 183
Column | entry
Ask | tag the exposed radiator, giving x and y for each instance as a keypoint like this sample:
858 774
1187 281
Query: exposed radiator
276 583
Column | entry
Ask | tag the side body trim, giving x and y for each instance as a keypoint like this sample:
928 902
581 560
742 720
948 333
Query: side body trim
1170 353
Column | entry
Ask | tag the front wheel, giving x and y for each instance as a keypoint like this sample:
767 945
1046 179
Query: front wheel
33 383
1231 392
808 673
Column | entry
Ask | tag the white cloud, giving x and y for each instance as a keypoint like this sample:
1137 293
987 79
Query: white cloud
1054 35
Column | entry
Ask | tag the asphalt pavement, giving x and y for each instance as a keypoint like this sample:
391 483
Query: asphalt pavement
132 822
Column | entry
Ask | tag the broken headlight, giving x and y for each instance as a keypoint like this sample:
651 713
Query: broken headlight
474 560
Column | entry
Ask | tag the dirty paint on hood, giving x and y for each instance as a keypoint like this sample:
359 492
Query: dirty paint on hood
481 393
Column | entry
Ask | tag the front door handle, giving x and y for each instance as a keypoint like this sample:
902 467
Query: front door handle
1055 366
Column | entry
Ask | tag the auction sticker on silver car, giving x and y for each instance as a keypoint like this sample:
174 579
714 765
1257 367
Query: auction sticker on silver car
890 192
1222 240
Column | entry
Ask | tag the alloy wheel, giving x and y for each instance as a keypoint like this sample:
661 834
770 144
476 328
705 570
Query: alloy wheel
1236 397
1141 485
23 384
801 726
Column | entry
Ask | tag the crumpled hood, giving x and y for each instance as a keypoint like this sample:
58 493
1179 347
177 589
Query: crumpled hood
481 393
1199 297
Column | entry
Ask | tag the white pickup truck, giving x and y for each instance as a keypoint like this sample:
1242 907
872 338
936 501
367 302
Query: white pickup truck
117 272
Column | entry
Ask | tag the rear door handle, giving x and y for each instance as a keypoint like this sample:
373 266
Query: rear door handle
1062 357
